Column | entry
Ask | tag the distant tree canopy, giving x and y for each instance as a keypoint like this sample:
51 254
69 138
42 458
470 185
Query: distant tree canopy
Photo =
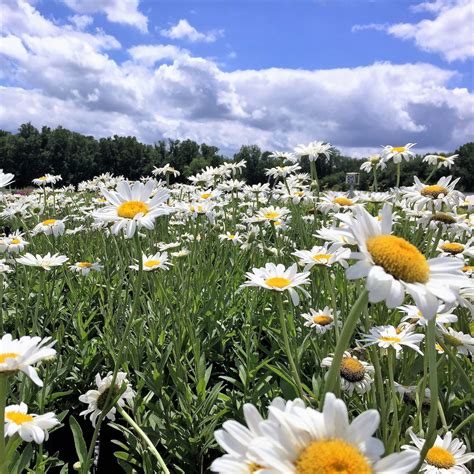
30 153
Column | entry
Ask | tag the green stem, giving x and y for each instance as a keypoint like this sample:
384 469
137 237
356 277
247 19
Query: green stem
145 438
394 436
374 184
334 374
3 401
430 352
286 342
398 175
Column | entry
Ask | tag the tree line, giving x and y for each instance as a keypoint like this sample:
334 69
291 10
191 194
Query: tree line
31 153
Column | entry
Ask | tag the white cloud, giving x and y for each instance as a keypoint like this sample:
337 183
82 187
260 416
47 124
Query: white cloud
116 11
148 55
183 30
81 21
449 34
61 75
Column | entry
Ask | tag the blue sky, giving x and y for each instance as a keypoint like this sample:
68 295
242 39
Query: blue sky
358 73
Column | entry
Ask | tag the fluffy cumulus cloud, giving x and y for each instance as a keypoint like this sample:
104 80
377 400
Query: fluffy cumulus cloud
60 74
449 33
116 11
183 30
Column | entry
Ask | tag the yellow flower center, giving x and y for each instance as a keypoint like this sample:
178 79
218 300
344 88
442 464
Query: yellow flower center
434 191
206 195
49 222
443 217
322 320
399 258
352 369
389 339
129 209
84 264
15 241
468 268
299 193
452 247
272 215
321 257
374 159
231 236
332 456
42 178
278 282
440 457
442 158
342 201
17 417
151 263
254 467
7 355
452 340
398 149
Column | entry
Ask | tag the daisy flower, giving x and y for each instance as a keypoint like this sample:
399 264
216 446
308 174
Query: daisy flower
388 336
28 426
463 343
355 374
321 321
53 227
46 179
16 243
455 249
132 207
165 170
281 171
6 179
440 160
408 392
4 268
313 150
154 262
278 278
269 214
324 255
305 440
96 398
234 238
20 354
336 202
434 196
374 161
84 268
447 455
398 153
47 262
236 438
414 316
394 266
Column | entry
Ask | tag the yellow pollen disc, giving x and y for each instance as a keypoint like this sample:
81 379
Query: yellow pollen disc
342 201
399 258
442 158
42 178
206 195
434 191
389 339
254 467
129 209
321 257
49 222
374 159
272 215
278 282
468 268
443 217
438 347
352 370
299 193
322 320
231 236
151 263
332 456
84 264
452 340
440 457
398 149
17 417
452 247
7 355
15 241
